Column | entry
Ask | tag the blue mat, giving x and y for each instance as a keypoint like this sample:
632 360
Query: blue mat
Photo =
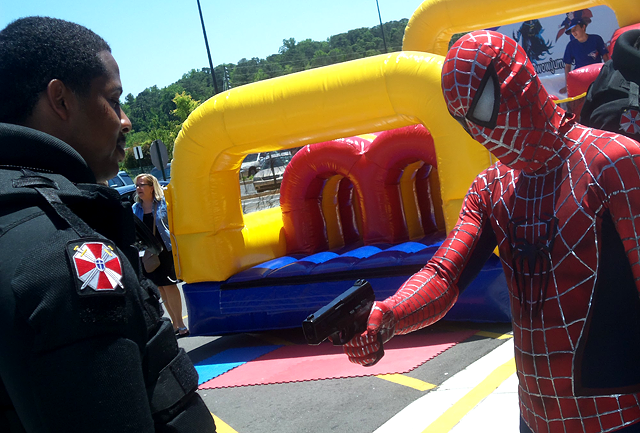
229 359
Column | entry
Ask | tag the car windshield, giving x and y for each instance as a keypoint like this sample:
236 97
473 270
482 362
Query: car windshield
116 181
127 180
275 161
158 174
251 157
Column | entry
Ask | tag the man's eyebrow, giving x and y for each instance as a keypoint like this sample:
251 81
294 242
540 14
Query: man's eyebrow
118 89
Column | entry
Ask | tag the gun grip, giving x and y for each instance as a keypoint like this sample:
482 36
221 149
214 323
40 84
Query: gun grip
336 338
379 353
344 335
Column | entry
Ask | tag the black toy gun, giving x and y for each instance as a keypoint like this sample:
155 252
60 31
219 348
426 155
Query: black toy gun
343 318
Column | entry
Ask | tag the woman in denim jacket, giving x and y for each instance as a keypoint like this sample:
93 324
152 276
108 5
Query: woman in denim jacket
151 208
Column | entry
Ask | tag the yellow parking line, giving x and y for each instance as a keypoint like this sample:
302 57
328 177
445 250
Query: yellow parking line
221 426
495 335
455 413
407 381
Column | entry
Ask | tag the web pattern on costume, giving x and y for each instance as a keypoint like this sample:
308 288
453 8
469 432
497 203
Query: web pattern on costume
547 330
546 215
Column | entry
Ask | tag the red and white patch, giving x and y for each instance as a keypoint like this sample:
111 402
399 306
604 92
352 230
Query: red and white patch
97 266
630 122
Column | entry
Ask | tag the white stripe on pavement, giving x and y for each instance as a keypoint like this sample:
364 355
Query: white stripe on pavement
498 411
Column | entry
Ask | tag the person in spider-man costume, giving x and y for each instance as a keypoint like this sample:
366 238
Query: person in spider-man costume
563 207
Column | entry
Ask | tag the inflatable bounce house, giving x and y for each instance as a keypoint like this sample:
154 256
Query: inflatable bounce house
372 193
579 79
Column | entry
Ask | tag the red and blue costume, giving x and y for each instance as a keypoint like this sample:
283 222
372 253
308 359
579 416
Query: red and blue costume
563 207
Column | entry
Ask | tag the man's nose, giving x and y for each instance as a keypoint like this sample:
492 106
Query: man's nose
125 122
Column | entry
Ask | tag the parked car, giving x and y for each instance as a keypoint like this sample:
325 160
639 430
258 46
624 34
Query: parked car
121 179
270 172
123 183
158 174
251 164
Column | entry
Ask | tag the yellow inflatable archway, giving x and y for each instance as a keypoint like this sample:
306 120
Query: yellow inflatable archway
435 21
213 239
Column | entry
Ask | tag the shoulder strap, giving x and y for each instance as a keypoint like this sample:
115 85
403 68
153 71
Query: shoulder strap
48 189
612 80
633 95
607 95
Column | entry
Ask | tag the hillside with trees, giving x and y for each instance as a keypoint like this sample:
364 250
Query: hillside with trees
158 113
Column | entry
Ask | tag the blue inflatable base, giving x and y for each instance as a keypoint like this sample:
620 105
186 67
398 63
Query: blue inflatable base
281 293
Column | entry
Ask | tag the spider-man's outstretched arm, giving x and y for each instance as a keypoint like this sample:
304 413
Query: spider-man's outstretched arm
427 296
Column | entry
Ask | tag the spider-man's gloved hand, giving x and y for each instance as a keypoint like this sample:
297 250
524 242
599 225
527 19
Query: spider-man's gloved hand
366 349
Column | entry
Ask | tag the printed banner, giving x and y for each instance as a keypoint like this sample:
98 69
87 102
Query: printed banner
545 41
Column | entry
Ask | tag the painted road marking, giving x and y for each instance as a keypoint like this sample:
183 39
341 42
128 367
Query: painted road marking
498 413
455 413
425 386
221 426
425 411
495 335
407 381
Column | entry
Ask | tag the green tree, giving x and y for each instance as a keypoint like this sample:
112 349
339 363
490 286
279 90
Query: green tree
260 75
158 113
272 67
287 45
320 58
197 83
291 56
244 72
185 104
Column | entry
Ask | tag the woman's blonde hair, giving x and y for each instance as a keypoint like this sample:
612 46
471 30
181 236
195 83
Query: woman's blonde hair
158 193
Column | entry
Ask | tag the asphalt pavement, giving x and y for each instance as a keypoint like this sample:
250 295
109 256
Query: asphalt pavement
369 404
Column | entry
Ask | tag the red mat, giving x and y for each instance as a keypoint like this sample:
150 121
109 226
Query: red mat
302 362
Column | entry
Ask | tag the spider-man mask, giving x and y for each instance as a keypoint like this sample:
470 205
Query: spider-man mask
492 90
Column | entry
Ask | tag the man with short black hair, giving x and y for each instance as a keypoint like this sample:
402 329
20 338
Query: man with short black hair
84 345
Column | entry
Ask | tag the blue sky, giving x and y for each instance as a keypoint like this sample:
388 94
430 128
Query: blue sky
155 42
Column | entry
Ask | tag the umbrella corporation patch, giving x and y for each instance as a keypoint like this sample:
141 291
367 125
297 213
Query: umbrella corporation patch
97 268
630 121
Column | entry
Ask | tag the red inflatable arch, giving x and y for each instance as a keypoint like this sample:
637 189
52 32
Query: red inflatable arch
579 79
369 199
302 186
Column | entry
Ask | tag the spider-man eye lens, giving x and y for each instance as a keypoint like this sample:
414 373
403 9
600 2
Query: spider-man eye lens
484 107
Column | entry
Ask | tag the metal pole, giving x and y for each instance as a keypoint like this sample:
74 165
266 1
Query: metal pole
206 43
384 41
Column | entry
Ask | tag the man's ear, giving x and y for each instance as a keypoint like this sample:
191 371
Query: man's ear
60 98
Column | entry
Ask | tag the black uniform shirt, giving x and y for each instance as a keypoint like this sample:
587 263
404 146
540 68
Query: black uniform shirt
83 346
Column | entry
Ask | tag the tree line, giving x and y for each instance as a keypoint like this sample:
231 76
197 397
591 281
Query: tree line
158 113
